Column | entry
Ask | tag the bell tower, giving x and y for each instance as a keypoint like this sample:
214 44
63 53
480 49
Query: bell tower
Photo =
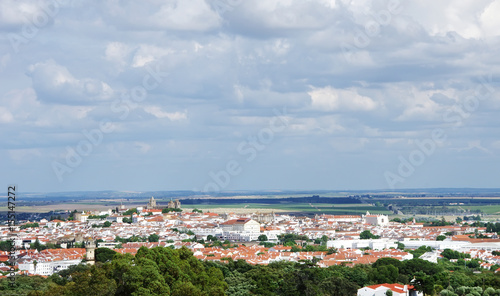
90 252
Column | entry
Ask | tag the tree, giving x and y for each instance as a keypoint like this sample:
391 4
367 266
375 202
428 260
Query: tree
37 245
368 235
337 286
107 224
104 254
153 238
388 292
440 237
262 238
130 212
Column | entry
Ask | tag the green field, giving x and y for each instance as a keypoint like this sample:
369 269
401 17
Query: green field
486 209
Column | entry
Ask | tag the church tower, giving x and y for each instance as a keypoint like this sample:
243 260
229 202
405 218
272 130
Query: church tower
90 252
151 203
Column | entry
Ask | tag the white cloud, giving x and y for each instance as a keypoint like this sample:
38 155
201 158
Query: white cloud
24 155
331 99
148 53
17 13
5 115
117 52
159 113
490 22
55 84
469 18
143 147
178 15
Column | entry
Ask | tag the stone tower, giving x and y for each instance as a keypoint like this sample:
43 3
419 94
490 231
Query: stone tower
90 252
151 203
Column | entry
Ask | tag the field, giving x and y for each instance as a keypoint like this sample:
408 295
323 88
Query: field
486 209
331 209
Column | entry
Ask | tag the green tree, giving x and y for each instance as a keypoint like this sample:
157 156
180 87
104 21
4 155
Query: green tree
104 254
153 238
262 238
130 212
107 224
37 245
337 286
441 237
368 235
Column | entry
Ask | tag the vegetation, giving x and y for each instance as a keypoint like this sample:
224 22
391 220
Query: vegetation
28 225
104 255
130 212
100 217
164 271
153 238
168 210
368 235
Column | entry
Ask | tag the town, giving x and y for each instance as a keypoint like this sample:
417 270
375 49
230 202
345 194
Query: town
45 247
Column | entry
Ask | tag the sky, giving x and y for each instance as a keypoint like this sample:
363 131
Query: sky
221 95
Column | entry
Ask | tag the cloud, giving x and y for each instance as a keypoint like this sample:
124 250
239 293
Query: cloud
330 99
5 115
172 116
117 52
174 15
469 18
15 13
54 83
223 74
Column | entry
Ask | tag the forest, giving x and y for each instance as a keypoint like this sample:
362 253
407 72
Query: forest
166 271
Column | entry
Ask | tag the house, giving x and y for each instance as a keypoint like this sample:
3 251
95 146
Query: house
242 224
381 290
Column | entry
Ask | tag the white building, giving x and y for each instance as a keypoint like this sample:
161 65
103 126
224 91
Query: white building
115 218
46 267
242 229
381 290
377 220
374 244
242 224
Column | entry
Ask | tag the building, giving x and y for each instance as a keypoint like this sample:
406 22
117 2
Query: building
90 252
265 217
374 244
151 203
242 229
381 290
242 224
341 218
174 204
377 220
82 217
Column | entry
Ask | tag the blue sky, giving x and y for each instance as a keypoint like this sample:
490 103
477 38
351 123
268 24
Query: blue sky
229 94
